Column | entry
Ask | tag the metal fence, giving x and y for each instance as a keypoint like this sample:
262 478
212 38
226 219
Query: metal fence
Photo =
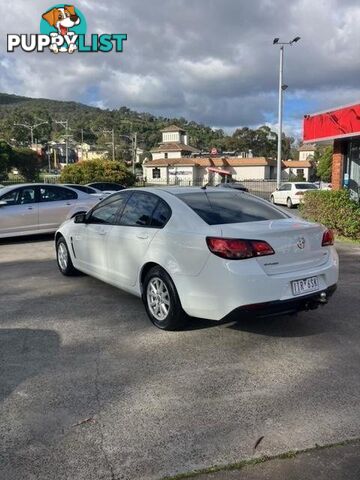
260 188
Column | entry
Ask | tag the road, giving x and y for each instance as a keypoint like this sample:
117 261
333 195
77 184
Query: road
89 389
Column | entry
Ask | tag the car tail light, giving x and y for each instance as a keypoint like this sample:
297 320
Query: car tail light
236 249
328 238
299 193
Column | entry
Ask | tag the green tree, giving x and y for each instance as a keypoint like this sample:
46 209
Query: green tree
27 162
324 165
5 155
97 171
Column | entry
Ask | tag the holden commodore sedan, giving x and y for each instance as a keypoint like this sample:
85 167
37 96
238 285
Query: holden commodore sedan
29 209
201 253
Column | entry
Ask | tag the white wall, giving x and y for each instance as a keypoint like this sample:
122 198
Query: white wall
149 175
171 137
250 173
157 156
292 172
309 155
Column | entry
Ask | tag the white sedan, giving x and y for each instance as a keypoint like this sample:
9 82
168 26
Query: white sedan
291 194
201 253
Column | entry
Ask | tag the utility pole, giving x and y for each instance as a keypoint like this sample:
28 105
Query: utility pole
135 152
31 128
65 124
112 133
282 87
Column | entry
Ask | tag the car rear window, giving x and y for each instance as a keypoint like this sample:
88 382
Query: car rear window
217 208
305 186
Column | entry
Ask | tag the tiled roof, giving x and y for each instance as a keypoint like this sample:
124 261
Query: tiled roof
297 164
173 147
173 128
213 162
307 148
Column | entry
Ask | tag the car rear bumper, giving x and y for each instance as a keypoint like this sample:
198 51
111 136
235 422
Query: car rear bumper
285 307
226 286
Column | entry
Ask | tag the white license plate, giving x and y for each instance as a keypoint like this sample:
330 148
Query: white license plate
306 285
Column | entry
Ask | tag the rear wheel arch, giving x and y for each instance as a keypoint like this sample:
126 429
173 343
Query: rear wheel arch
145 269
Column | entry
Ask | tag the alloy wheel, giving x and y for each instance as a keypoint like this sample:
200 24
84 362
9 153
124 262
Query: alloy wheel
158 298
62 256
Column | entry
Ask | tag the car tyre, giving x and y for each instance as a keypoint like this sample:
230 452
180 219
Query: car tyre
162 301
63 259
289 203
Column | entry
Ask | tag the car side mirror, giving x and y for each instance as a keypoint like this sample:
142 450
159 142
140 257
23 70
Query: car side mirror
277 189
80 218
3 203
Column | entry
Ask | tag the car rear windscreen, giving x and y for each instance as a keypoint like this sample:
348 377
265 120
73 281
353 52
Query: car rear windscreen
305 186
217 208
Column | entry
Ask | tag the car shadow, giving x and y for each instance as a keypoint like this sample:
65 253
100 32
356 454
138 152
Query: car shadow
27 239
296 325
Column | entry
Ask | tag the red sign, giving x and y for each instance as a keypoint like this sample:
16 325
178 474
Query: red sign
342 122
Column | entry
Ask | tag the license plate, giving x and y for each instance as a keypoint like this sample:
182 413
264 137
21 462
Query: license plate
306 285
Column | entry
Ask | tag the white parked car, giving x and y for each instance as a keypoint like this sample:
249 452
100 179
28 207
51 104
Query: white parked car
28 209
291 194
201 253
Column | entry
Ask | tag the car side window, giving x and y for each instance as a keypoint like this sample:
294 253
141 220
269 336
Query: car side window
139 210
161 215
108 211
53 193
20 196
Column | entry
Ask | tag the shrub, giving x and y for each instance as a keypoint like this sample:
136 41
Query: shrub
335 209
97 171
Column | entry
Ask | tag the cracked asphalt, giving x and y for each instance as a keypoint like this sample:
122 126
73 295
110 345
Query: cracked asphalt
89 389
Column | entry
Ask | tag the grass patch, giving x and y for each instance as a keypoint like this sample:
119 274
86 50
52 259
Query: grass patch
256 461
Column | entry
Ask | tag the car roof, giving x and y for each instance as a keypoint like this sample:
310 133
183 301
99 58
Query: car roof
8 188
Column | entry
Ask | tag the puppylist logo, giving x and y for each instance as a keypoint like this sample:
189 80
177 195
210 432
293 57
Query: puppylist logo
63 30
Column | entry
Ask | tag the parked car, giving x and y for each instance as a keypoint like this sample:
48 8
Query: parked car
109 187
88 190
323 185
291 194
234 185
39 208
201 252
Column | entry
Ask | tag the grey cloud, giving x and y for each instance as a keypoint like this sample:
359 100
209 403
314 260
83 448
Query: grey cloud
208 60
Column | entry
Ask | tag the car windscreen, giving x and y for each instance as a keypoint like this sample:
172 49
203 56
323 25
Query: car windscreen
305 186
217 208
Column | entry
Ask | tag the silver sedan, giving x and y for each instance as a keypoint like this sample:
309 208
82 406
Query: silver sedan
29 209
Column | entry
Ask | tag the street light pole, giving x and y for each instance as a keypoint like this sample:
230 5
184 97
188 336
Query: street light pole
280 114
31 128
282 87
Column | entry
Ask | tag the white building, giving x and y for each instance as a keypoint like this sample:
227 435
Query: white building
307 152
174 144
297 168
200 171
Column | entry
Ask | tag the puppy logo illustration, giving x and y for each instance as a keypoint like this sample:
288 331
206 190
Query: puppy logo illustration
62 19
63 29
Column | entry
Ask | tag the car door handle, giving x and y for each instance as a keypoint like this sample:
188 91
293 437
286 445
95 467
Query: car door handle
142 236
30 208
102 232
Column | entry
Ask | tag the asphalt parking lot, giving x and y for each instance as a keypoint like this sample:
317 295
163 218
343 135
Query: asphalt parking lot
89 389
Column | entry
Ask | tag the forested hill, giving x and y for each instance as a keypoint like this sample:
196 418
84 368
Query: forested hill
91 123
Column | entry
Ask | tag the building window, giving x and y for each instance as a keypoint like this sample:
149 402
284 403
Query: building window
156 173
166 155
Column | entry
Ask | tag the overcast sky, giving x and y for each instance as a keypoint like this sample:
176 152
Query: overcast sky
211 61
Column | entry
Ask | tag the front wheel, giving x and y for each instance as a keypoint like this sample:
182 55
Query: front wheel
272 199
63 258
161 301
289 203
